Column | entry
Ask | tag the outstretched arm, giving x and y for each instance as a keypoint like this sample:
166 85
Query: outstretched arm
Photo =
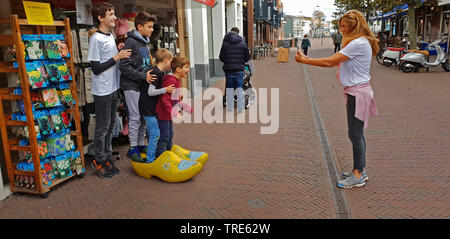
331 61
152 91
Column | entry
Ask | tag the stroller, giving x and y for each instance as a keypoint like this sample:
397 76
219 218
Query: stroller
249 92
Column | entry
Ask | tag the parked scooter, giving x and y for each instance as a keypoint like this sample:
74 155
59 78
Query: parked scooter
392 55
416 59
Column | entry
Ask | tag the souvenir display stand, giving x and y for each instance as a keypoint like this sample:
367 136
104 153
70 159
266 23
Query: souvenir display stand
47 163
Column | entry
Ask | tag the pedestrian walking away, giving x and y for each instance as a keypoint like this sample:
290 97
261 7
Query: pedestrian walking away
305 44
234 53
337 41
353 61
104 56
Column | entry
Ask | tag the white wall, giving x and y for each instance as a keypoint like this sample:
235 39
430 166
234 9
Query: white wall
200 32
234 15
219 31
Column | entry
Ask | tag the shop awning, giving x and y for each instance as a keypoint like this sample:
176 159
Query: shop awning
397 10
261 10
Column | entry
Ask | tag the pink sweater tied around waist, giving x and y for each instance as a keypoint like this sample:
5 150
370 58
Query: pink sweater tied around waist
365 102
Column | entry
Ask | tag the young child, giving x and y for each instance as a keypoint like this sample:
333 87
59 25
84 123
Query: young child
166 102
103 55
149 97
136 70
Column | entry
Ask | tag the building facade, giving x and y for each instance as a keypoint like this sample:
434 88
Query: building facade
301 26
432 22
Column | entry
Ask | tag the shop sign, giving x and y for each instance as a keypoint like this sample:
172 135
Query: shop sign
270 13
210 3
275 18
280 14
261 9
38 13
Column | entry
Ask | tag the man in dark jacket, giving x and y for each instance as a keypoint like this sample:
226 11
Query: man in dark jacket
234 54
337 41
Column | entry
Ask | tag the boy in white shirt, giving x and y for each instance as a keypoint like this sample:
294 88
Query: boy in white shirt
103 56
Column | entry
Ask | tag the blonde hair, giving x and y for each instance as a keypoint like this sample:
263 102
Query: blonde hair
358 27
163 54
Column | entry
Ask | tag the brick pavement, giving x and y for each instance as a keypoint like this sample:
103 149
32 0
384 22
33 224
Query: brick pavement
284 175
249 175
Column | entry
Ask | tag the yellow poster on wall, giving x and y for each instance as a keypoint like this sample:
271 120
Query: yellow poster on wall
38 13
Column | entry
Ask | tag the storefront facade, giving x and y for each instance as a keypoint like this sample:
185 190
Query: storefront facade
431 22
205 40
268 15
196 31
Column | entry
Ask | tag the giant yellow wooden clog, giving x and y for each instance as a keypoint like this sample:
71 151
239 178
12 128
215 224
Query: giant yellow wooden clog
168 167
200 157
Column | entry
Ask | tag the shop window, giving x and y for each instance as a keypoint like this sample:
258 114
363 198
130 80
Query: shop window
445 22
428 26
420 24
405 26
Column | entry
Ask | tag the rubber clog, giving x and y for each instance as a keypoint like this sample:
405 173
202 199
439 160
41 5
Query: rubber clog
200 157
168 167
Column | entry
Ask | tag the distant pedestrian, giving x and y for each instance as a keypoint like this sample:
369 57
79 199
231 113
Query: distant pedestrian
305 44
337 41
354 60
234 53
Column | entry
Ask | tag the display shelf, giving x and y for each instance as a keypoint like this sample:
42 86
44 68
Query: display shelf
11 97
12 144
6 67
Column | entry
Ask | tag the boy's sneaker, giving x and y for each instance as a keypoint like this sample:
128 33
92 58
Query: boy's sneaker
101 170
143 149
135 155
351 182
348 174
112 167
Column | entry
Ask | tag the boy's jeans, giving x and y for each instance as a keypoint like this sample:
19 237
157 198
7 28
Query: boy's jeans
234 82
356 135
105 112
136 123
166 135
153 137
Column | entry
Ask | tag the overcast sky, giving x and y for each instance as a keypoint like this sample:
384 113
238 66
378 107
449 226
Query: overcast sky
293 7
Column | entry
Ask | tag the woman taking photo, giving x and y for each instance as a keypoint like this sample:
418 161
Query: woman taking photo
353 62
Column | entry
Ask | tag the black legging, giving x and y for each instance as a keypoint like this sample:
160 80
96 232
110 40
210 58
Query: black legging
356 135
337 47
305 51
